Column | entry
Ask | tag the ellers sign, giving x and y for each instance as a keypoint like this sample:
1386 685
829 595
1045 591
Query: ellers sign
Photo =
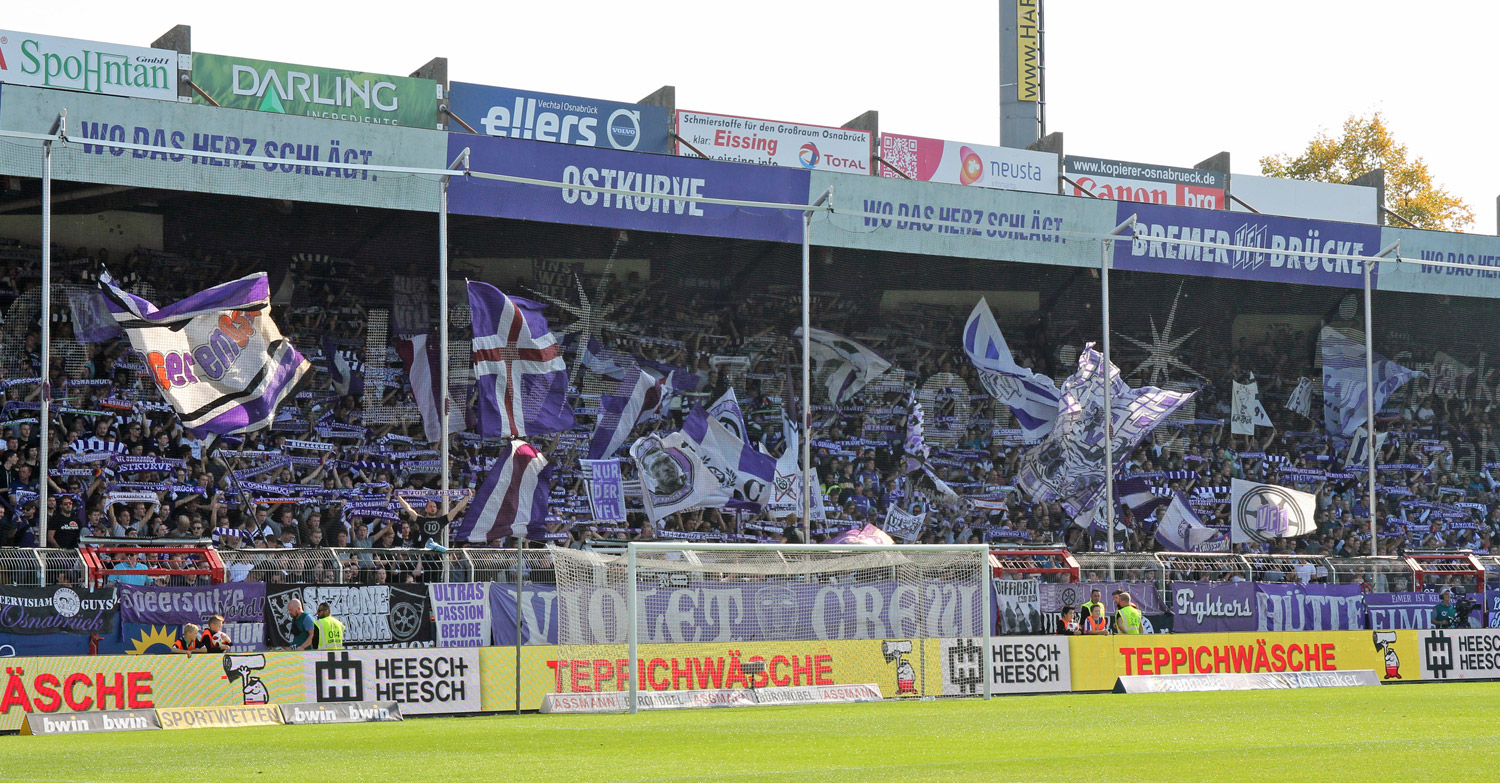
565 119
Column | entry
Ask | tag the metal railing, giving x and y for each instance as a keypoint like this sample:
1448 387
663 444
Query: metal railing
328 565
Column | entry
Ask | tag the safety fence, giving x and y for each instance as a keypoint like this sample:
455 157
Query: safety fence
353 565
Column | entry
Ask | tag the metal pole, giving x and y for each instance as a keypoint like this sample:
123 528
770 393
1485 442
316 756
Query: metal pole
445 504
631 633
986 577
1109 414
45 415
1370 405
520 602
806 461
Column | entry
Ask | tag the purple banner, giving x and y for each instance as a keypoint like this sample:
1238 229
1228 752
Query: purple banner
1309 607
241 604
701 613
538 615
1286 241
1400 611
1213 607
1075 594
656 174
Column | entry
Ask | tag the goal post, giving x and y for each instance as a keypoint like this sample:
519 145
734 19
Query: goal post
678 624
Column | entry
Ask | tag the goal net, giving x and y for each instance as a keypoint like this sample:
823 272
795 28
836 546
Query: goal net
731 624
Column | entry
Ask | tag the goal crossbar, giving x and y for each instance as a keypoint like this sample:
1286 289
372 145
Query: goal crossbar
635 548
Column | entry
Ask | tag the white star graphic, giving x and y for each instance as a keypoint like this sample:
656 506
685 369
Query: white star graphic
1161 352
590 316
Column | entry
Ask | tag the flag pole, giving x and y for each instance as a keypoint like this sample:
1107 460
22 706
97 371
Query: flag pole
44 416
1105 246
1371 443
806 461
445 503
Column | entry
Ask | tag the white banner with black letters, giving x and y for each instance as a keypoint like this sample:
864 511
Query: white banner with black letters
423 682
1022 664
1018 606
461 613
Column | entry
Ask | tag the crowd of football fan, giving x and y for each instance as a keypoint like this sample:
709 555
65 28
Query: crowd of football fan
123 467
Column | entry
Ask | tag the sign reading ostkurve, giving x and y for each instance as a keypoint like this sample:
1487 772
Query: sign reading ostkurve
328 93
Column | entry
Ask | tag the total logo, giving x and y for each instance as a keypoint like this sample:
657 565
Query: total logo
808 156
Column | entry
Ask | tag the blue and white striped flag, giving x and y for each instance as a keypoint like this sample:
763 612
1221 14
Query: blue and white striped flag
216 356
1031 397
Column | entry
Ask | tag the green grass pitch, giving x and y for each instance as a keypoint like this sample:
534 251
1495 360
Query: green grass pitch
1406 732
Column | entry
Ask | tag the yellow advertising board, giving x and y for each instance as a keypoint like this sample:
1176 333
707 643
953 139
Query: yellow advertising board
219 717
902 668
1098 661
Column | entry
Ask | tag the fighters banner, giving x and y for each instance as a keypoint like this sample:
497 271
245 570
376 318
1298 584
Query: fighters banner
373 615
45 610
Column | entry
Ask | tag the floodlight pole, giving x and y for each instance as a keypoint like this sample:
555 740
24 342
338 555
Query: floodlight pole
1105 247
631 634
1371 441
806 461
60 128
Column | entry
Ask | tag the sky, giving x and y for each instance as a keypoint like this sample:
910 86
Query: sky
1167 81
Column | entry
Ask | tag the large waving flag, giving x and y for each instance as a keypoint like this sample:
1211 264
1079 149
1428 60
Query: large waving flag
849 365
1179 529
638 398
511 501
1031 397
738 466
216 356
420 355
1344 404
674 476
518 367
1067 466
1261 513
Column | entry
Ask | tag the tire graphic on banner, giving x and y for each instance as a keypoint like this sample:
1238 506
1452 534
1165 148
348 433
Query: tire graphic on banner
404 621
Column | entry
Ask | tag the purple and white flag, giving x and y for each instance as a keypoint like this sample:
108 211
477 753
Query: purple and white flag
343 368
1067 466
216 356
638 398
1031 397
726 411
748 473
420 355
92 322
513 499
518 367
1344 403
847 364
675 476
1300 401
1180 530
1261 513
606 490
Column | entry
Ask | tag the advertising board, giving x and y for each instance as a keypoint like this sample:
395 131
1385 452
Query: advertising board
979 165
565 119
1144 182
1098 661
773 143
311 91
87 66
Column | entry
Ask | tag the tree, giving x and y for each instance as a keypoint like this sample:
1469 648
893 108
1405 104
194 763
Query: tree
1366 145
